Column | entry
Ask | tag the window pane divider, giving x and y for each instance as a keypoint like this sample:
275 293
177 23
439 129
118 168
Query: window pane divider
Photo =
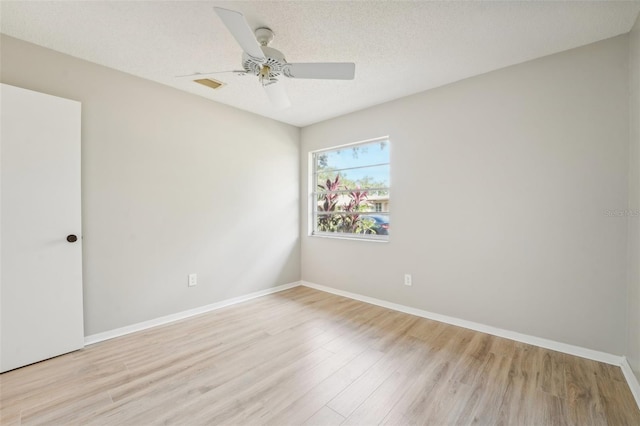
318 171
348 191
343 213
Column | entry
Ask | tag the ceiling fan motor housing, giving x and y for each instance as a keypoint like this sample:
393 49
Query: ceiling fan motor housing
275 63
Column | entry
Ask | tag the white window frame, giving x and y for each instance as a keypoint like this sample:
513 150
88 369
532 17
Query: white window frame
313 192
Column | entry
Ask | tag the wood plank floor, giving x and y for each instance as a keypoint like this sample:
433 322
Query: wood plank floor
307 357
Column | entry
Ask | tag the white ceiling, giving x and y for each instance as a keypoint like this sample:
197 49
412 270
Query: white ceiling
399 48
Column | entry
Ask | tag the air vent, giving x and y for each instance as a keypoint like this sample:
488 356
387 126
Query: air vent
214 84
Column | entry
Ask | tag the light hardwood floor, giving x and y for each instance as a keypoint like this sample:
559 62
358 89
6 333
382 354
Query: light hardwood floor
307 357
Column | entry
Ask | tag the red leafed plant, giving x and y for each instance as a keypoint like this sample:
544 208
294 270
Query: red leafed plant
346 219
351 222
329 222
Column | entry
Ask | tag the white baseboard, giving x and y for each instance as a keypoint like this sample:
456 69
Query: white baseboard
99 337
632 380
507 334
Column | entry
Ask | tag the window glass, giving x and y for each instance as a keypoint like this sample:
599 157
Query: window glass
351 190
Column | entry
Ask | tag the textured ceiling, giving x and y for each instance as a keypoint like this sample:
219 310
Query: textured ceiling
399 48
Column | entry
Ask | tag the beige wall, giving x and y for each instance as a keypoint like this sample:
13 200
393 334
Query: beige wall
500 188
498 209
170 186
633 351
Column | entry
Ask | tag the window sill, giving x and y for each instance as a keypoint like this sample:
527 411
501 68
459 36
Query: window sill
344 237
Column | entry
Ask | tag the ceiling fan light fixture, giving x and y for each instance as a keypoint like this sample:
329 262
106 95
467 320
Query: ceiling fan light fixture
265 70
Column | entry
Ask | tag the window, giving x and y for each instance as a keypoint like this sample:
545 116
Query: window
350 196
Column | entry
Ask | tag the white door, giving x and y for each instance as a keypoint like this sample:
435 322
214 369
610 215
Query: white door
40 270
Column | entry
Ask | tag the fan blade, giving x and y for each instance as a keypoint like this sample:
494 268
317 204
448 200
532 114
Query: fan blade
241 31
277 95
327 70
206 74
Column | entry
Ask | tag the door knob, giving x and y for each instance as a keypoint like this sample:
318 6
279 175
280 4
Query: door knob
72 238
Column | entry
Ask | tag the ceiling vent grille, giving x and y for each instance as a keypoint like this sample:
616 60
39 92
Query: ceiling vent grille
213 84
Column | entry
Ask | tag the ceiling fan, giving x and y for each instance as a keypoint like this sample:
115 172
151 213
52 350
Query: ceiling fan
269 64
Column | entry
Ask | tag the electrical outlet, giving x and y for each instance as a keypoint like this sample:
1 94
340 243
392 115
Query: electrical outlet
407 279
193 279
